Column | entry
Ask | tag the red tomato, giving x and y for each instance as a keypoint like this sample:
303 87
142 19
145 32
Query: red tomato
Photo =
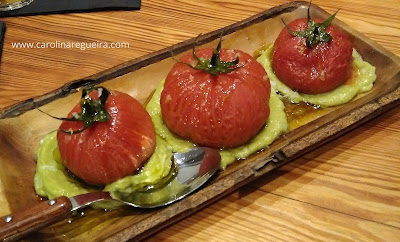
107 151
312 70
223 110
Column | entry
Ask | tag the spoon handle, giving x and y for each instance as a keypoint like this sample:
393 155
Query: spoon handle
45 213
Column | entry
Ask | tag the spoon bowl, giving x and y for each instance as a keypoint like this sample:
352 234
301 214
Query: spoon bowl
192 170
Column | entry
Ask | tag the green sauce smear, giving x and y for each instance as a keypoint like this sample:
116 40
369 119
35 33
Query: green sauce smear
364 79
53 180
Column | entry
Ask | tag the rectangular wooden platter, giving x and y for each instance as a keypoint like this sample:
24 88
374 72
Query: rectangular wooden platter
22 127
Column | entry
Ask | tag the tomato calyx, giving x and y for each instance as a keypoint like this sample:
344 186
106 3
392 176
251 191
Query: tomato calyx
316 32
215 65
92 110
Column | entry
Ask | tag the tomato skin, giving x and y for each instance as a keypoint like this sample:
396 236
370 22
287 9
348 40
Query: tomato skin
312 70
107 151
220 111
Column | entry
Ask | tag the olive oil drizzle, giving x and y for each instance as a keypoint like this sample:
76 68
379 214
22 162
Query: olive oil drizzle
151 187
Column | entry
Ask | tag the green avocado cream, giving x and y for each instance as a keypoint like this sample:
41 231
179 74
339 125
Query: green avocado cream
53 180
362 81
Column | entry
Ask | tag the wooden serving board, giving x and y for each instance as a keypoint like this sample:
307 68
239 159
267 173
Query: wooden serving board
22 127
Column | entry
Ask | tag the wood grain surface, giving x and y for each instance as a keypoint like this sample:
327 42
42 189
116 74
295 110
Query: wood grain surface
348 190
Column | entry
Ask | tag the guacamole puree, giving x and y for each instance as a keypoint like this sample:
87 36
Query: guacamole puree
362 81
53 180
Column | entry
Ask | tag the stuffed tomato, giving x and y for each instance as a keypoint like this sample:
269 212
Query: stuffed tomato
217 98
313 61
312 69
106 150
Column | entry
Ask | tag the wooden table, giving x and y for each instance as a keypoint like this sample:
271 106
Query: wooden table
347 190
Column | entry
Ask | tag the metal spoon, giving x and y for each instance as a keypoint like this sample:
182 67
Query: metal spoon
194 168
